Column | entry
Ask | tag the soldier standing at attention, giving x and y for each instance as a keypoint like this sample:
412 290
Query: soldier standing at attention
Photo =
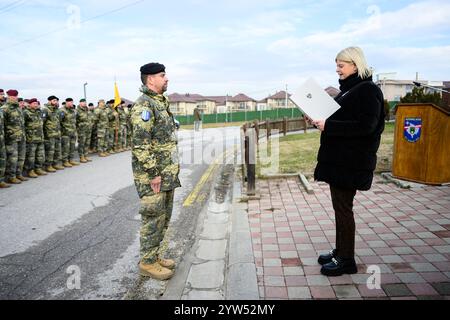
34 131
52 135
2 97
111 126
14 137
155 167
92 130
83 125
68 134
22 146
129 126
3 185
101 118
122 127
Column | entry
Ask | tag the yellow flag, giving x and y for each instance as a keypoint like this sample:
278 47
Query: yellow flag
117 98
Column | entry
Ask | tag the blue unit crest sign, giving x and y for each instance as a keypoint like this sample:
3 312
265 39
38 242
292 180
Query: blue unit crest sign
413 129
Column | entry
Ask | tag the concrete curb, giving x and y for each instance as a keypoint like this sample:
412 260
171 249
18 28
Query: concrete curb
241 280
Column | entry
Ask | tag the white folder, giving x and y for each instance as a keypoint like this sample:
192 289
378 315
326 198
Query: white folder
314 101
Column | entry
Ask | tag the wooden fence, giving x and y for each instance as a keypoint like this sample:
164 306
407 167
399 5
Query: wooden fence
253 132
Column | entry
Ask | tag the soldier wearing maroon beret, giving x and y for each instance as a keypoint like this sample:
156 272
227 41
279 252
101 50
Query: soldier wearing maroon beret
14 138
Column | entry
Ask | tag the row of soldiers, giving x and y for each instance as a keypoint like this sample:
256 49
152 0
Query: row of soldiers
35 140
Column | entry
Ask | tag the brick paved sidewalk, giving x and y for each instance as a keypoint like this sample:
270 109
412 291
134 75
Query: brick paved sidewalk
404 232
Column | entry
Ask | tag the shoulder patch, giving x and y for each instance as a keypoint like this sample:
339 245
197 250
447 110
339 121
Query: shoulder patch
146 116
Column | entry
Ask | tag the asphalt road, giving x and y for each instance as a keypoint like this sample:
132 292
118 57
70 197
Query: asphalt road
75 234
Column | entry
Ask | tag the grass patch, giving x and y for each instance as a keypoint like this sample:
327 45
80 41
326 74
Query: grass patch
298 153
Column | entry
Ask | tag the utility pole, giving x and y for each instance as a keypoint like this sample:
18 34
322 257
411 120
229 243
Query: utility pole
84 87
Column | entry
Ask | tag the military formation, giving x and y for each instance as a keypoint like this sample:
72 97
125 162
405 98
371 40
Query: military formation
37 140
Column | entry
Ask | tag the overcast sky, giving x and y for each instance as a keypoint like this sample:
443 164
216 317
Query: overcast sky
213 47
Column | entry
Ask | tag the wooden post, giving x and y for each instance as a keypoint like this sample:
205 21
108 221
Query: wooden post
256 126
243 154
251 162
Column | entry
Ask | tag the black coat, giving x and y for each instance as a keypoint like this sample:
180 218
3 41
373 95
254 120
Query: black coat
349 145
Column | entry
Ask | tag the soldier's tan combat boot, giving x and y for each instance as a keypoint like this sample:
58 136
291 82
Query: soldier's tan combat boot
59 167
22 178
41 172
74 163
13 181
88 159
4 185
103 155
32 174
50 169
67 164
83 160
167 263
155 271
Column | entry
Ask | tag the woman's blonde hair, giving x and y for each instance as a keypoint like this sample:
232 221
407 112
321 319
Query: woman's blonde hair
356 56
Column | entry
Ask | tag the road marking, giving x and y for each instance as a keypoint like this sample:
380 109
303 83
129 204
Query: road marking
194 196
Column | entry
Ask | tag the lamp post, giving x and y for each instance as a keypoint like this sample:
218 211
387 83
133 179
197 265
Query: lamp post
84 87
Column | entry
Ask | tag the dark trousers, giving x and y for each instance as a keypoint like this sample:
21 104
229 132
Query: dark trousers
345 221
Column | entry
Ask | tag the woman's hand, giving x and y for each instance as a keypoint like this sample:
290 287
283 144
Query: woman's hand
320 124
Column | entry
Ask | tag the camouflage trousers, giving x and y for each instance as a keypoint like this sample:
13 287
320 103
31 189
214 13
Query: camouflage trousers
68 148
93 140
129 137
156 212
2 160
35 158
83 143
102 140
52 152
15 158
122 140
111 134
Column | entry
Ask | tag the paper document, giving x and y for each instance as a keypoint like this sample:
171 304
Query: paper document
314 101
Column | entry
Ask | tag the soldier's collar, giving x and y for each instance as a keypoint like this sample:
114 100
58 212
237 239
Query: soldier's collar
145 90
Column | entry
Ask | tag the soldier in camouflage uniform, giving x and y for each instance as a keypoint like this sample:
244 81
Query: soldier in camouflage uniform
68 134
83 129
52 135
23 145
14 137
3 185
34 131
111 128
122 127
102 121
129 127
155 167
92 130
2 97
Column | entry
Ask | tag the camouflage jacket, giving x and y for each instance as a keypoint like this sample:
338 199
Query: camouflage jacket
52 125
101 118
13 122
68 122
82 117
2 130
34 126
155 151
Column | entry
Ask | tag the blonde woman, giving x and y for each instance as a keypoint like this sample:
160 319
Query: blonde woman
348 153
